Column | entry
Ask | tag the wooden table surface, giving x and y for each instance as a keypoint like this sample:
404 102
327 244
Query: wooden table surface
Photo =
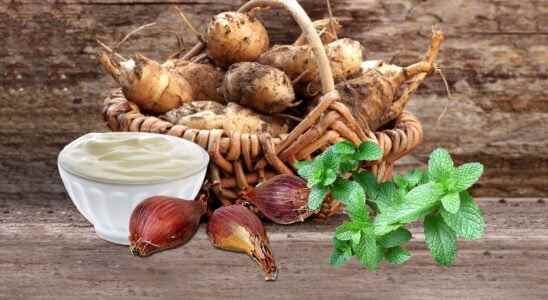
50 251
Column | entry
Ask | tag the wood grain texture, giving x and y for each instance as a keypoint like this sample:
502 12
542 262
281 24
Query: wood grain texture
51 86
52 253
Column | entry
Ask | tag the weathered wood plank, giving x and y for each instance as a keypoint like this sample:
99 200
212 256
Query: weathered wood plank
61 258
51 87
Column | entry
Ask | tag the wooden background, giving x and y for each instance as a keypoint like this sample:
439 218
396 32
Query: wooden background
495 59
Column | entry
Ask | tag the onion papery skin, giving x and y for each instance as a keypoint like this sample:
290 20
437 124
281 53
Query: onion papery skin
159 223
235 228
283 199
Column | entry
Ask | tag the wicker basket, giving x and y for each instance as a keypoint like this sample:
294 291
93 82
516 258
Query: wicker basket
240 161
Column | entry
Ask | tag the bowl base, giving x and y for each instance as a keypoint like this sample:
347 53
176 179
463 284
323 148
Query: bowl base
116 237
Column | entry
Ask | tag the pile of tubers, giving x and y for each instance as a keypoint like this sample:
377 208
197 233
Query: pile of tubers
243 84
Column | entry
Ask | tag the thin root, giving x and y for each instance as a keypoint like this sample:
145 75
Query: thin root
331 21
132 33
298 78
109 50
449 95
191 27
198 58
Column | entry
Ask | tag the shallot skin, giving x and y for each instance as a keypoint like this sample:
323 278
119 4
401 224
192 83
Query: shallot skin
236 228
283 199
159 223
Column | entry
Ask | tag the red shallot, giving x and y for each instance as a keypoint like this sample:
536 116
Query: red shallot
236 228
159 223
283 199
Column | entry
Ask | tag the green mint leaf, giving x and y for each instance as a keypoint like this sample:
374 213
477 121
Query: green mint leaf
425 178
352 195
304 168
414 177
356 237
387 196
466 175
369 252
420 199
340 245
397 255
395 238
329 177
315 176
330 160
348 165
468 222
400 181
345 231
369 151
440 239
344 147
303 164
316 196
338 258
368 181
417 202
451 202
383 226
440 165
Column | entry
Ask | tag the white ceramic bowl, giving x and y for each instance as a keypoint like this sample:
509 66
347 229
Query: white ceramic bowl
108 206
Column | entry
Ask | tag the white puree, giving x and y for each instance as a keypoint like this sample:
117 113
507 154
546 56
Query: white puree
131 158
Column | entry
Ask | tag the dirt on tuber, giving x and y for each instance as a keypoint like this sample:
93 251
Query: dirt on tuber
148 84
231 117
234 37
381 92
345 56
263 88
205 79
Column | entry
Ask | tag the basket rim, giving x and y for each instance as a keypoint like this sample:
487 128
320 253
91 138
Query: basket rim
118 111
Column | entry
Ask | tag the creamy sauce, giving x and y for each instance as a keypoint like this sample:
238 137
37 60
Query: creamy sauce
132 158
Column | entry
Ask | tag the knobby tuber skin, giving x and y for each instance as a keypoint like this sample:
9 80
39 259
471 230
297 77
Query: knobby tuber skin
148 84
345 56
369 97
327 29
234 37
293 60
231 117
263 88
378 96
204 78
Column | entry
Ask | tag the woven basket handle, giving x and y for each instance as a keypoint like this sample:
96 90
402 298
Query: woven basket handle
300 16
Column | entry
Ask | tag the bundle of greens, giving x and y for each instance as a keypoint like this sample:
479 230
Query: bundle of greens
379 212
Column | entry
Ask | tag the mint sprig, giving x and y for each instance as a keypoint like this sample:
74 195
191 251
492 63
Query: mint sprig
379 212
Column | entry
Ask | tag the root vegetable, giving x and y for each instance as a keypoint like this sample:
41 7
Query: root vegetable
293 60
260 87
345 56
235 37
231 117
204 78
148 84
380 94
